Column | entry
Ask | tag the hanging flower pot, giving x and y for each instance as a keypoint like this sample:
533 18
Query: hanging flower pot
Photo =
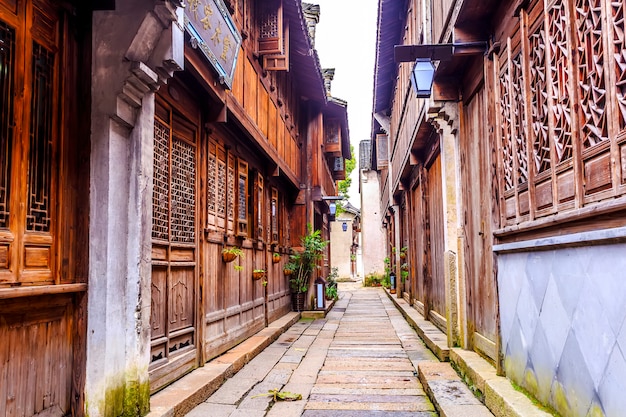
231 253
287 272
257 274
276 257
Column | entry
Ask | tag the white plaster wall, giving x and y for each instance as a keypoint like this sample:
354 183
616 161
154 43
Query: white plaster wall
373 249
562 319
118 322
340 243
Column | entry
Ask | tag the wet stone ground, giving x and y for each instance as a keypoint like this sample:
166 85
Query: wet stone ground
361 360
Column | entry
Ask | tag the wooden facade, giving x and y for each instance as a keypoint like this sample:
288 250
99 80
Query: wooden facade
518 153
236 167
43 224
127 166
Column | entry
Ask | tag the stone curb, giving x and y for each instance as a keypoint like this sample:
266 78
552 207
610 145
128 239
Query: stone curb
434 338
183 395
498 394
451 397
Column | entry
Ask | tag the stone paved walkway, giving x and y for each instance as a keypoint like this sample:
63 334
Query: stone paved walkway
359 361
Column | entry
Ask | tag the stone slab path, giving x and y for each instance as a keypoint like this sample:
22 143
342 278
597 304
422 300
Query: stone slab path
361 360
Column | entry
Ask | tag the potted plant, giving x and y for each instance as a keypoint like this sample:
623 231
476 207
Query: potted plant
304 263
331 293
403 251
231 253
276 257
289 268
257 274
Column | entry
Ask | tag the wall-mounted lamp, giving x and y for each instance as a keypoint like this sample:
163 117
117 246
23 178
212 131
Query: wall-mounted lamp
332 208
422 77
423 72
344 226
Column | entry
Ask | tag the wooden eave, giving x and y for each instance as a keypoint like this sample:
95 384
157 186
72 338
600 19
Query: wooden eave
338 109
304 62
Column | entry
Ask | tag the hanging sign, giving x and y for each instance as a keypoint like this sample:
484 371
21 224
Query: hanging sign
211 28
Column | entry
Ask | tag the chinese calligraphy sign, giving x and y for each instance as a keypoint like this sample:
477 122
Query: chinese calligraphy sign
212 30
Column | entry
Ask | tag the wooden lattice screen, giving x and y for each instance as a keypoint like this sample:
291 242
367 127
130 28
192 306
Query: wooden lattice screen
561 99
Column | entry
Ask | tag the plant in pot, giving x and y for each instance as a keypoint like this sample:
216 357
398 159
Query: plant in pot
276 257
231 253
258 274
304 262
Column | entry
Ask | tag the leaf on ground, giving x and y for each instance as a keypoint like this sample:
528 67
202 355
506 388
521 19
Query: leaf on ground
281 395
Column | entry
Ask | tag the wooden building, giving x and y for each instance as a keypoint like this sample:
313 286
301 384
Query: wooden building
507 186
138 140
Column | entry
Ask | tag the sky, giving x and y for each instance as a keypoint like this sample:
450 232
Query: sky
345 39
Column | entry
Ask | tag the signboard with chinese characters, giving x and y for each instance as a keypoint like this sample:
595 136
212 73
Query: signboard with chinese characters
212 30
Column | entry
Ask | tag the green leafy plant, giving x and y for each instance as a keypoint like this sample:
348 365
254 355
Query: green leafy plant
231 253
305 261
332 293
258 274
373 280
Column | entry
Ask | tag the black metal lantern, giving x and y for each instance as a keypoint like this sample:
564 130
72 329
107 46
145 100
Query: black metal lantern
344 226
422 77
392 282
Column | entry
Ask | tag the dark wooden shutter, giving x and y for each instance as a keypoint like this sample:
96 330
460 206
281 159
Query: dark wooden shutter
271 27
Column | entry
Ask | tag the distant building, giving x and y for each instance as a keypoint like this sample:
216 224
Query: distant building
373 248
344 242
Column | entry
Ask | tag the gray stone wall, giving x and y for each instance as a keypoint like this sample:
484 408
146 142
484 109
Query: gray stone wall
562 311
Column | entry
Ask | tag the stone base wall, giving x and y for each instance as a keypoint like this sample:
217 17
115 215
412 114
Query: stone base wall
563 309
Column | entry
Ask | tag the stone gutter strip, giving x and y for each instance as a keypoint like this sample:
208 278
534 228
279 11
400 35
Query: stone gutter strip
183 395
451 397
498 394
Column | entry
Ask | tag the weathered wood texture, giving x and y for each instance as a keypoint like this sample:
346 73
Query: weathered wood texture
559 108
477 223
43 216
436 239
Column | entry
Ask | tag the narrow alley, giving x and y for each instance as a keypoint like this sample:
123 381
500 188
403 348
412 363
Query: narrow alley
361 360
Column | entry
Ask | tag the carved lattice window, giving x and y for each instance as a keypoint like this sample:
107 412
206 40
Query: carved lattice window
559 66
7 47
274 216
519 118
183 201
231 184
242 199
270 18
539 100
591 81
174 184
619 58
211 182
505 126
259 205
221 185
161 181
41 132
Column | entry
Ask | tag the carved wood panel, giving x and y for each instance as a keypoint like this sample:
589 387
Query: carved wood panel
618 43
174 248
591 76
538 100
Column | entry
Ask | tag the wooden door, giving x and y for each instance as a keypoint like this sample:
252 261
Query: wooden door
416 259
477 227
436 293
43 221
174 248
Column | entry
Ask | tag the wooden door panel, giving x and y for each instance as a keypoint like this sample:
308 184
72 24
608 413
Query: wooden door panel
181 298
36 348
174 248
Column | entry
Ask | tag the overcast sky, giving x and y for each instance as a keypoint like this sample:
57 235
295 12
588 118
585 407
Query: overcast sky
345 40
